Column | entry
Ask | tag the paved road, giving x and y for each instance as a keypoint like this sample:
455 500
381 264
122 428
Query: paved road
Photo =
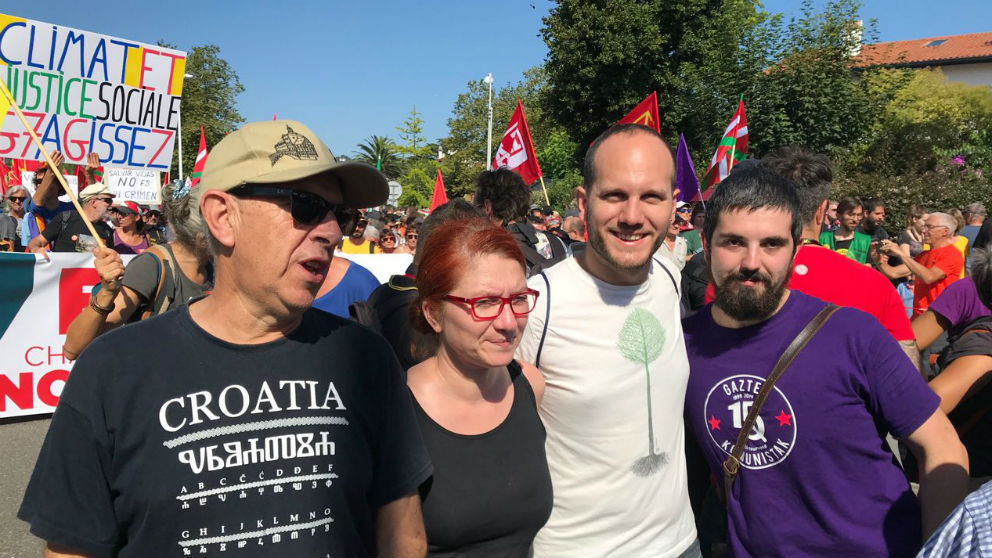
22 441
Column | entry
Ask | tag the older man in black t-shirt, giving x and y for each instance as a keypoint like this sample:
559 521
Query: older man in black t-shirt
255 425
67 232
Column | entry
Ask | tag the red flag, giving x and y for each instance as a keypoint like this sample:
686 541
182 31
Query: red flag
645 113
82 181
440 197
732 148
516 150
201 159
166 179
4 178
17 166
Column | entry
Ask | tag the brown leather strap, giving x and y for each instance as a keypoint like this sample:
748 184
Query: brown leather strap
732 465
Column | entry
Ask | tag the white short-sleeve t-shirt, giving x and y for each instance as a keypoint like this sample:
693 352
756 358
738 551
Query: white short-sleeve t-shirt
616 370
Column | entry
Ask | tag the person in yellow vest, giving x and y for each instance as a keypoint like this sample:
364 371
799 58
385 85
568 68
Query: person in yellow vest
356 243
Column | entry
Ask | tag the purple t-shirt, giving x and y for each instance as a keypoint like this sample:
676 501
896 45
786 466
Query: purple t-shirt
816 479
960 305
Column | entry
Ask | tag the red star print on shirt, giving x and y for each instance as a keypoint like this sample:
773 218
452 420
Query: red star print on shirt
714 423
784 419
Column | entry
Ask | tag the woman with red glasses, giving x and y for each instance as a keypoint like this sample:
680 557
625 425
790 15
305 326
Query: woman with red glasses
476 405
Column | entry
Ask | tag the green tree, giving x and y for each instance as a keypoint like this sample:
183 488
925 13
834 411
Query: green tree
418 187
419 164
412 144
927 121
380 151
465 145
562 174
808 94
604 57
209 100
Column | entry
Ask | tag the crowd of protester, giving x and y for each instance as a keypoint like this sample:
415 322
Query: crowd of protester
769 373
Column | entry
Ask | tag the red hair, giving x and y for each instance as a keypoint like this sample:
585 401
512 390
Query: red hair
446 255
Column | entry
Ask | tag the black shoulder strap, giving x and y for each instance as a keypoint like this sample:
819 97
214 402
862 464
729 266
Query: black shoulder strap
547 316
558 250
731 465
670 276
530 254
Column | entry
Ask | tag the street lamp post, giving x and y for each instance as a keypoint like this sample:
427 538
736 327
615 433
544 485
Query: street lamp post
489 136
180 137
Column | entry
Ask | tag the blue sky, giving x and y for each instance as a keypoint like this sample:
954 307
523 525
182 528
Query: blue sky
352 69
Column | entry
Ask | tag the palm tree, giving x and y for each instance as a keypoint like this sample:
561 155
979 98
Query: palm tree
380 152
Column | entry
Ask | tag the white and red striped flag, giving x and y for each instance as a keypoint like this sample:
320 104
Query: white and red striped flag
201 158
732 149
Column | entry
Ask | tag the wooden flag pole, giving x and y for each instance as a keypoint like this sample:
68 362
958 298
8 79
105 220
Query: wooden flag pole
51 164
545 190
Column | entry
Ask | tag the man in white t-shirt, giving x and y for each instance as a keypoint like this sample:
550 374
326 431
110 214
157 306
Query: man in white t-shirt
606 334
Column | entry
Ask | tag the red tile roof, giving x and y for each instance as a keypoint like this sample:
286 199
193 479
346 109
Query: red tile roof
974 46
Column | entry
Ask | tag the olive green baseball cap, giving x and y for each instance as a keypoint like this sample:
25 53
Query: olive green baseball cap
277 151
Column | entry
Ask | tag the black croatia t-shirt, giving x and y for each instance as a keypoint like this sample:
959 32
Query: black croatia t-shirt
170 442
64 230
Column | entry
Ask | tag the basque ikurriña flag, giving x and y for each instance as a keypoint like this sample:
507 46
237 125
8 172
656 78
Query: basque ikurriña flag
201 158
645 113
516 150
732 149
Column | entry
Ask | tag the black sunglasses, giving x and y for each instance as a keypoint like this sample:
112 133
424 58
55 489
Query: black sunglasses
306 208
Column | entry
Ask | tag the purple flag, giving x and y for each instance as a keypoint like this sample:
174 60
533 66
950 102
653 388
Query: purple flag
685 173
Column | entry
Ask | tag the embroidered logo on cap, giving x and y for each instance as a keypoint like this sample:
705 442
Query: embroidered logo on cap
294 145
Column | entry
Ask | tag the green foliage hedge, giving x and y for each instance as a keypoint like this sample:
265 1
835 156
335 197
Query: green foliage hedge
938 190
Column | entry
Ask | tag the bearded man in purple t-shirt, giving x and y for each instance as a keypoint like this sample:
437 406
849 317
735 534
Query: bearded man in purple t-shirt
815 477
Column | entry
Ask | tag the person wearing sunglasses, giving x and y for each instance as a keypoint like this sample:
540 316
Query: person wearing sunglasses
476 405
252 418
67 232
411 236
388 243
44 205
129 230
933 269
356 241
347 282
10 223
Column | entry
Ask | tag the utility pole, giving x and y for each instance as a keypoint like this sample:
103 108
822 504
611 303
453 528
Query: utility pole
489 136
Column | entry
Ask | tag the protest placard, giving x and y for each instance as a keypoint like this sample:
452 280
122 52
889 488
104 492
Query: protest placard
38 302
83 92
27 180
137 185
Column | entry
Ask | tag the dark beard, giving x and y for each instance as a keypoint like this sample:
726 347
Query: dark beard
745 304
